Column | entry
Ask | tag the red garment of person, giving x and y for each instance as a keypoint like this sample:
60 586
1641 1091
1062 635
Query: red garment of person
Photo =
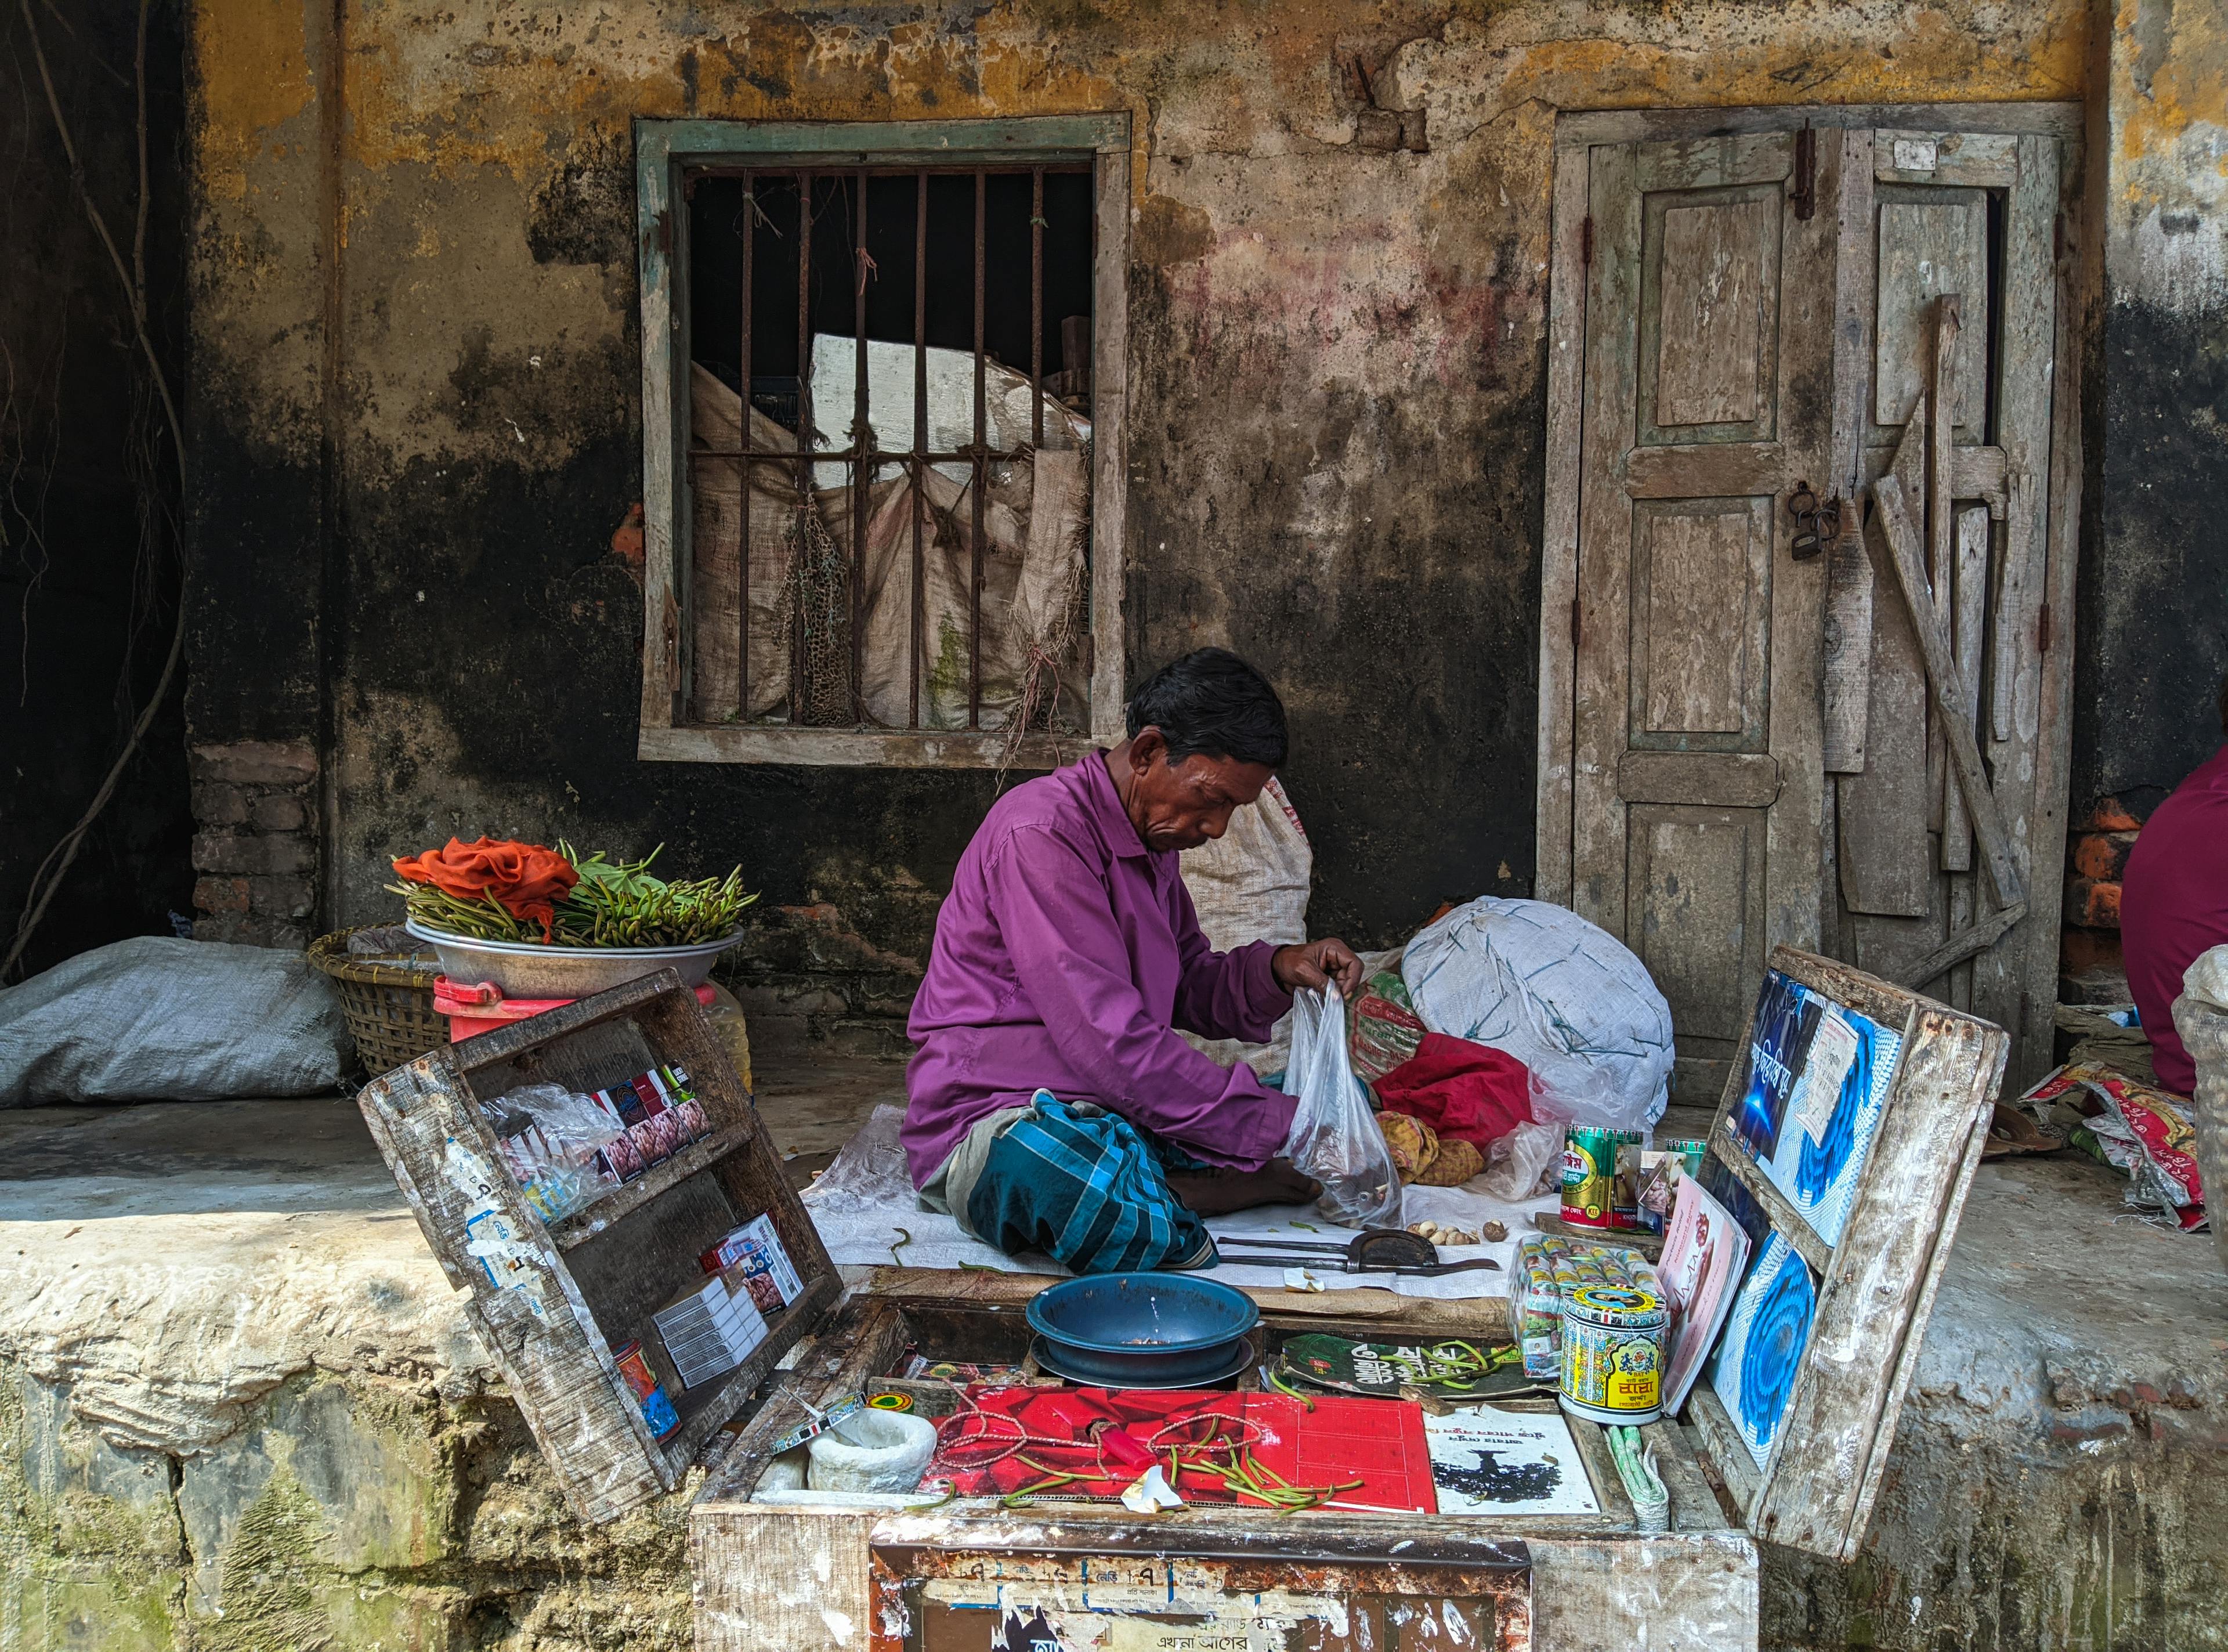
526 878
2174 908
1460 1089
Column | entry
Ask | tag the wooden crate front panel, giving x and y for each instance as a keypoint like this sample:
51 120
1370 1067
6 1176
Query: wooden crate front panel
1276 1598
552 1301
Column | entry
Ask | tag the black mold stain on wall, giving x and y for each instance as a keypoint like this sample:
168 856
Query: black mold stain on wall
480 646
2153 635
72 392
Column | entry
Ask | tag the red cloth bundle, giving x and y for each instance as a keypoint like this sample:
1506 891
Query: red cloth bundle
526 878
1460 1089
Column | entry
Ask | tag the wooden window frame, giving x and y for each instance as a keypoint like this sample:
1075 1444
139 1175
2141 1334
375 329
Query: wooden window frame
664 151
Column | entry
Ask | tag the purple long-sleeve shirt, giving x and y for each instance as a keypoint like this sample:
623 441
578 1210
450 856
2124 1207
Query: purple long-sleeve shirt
1066 955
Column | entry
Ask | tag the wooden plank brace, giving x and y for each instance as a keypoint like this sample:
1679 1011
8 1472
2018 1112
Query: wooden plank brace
1950 696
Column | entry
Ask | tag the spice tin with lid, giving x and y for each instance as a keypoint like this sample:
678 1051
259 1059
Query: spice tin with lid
1613 1354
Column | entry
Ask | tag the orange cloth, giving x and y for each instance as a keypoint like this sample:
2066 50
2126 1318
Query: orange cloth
527 878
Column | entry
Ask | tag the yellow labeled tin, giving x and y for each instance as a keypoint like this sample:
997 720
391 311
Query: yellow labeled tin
1613 1354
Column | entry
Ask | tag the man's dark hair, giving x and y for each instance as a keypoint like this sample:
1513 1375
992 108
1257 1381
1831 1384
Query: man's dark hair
1212 701
2224 704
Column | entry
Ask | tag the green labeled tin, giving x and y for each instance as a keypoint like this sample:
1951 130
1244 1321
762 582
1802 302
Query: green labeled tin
1593 1193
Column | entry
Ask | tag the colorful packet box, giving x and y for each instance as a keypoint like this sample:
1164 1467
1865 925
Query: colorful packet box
754 1254
709 1330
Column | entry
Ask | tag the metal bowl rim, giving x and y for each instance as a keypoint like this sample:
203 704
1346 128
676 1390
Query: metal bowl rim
533 950
1249 1314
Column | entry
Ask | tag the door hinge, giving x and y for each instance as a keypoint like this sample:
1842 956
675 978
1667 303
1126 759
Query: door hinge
2042 631
1804 196
1586 241
1574 624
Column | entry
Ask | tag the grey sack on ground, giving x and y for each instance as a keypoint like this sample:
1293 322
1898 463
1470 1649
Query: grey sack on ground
159 1019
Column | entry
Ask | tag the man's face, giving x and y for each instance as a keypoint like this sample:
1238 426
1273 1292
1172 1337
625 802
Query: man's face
1183 805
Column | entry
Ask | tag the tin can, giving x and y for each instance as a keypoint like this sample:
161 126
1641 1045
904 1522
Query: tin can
1590 1181
649 1393
1613 1354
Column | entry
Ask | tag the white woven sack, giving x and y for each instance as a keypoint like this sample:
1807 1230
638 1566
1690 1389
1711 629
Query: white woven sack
1562 996
1251 884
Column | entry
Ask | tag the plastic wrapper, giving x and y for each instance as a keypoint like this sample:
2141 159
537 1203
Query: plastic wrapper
1525 1163
554 1143
1548 1267
1335 1137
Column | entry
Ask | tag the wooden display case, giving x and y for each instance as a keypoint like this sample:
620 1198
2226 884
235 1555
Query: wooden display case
776 1573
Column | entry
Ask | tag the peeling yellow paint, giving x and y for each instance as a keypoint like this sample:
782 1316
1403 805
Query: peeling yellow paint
253 62
2157 105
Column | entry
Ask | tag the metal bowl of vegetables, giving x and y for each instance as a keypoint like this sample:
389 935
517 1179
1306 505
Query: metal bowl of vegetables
539 923
526 969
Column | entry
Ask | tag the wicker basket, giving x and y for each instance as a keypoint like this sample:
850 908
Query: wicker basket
388 1002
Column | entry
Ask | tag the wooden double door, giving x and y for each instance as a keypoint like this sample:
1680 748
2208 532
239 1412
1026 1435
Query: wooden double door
1738 746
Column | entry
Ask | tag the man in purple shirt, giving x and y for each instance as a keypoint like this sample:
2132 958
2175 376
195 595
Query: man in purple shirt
2174 905
1052 1107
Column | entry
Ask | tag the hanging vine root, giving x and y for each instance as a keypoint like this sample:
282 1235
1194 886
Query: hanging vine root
133 277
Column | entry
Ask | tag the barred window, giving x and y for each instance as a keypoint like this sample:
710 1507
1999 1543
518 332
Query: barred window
874 509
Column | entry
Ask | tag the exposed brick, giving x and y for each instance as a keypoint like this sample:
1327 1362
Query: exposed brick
217 802
2103 985
281 897
220 894
2106 814
245 929
2102 856
277 812
1377 129
2090 904
270 763
253 855
2082 953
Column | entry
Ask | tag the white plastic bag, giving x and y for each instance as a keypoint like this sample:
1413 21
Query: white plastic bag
1335 1137
1525 1163
1562 996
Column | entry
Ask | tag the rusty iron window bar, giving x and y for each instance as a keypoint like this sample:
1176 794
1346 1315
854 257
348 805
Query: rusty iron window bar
817 190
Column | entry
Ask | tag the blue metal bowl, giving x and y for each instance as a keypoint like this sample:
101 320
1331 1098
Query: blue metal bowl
1155 1328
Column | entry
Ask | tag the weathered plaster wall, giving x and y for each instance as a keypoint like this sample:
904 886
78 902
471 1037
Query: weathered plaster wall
2154 624
413 452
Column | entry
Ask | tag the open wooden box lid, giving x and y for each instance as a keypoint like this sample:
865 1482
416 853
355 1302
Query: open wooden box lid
580 1287
590 1283
1934 1070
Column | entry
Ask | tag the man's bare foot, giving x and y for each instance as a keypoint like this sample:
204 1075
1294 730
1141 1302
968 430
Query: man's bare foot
1217 1193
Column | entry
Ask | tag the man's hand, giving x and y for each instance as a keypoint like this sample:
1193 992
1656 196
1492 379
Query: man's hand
1314 963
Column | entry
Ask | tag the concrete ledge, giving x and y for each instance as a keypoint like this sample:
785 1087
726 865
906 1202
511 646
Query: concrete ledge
239 1409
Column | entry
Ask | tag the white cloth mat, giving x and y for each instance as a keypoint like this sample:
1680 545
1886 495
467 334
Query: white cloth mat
869 1216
